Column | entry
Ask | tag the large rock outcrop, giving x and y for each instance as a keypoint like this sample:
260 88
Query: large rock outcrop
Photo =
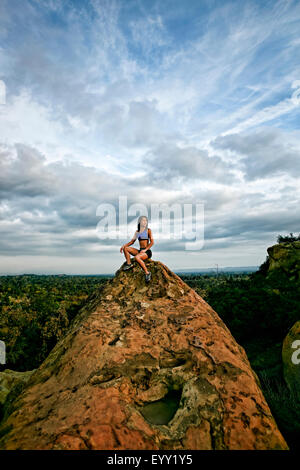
143 366
291 360
285 257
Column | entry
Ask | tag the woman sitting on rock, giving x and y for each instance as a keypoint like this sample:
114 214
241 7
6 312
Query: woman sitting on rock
143 234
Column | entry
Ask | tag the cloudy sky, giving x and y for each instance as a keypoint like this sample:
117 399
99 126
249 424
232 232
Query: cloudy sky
162 102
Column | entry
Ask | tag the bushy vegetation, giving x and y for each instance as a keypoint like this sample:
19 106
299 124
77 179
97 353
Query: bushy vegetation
35 312
264 267
288 238
256 307
284 406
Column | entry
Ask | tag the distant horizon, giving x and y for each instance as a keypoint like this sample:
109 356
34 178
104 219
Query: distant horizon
220 268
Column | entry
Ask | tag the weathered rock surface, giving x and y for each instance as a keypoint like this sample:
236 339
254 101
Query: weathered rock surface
285 257
143 366
291 360
11 380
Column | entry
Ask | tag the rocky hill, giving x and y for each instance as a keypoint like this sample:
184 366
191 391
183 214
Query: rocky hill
291 360
143 366
285 258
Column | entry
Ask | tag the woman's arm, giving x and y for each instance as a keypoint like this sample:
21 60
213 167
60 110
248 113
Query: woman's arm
129 243
151 240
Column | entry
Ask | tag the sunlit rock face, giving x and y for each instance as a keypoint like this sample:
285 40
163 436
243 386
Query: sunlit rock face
143 366
285 258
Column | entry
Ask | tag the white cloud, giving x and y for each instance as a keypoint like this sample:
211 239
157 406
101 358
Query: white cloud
158 103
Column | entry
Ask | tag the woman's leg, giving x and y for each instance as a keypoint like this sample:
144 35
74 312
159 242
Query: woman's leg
128 250
140 257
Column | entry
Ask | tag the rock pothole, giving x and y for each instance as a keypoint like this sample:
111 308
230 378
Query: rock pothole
162 411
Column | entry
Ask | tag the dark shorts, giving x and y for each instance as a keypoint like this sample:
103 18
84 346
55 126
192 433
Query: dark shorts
148 252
